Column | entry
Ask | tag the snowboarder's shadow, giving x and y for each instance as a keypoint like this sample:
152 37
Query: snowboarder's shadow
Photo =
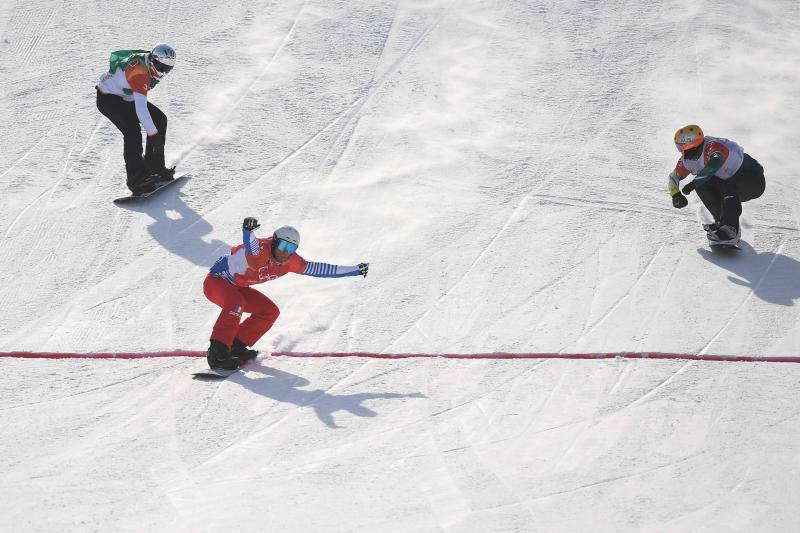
773 277
284 387
182 234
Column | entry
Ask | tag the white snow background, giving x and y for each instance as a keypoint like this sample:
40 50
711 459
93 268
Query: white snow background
502 166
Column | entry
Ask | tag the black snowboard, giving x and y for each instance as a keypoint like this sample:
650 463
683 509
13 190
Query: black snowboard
213 374
714 246
216 374
142 197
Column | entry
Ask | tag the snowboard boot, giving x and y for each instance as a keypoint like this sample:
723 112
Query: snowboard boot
714 226
164 174
146 182
219 357
240 350
725 235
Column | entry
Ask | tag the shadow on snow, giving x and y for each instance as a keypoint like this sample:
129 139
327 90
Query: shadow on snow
183 236
284 387
775 278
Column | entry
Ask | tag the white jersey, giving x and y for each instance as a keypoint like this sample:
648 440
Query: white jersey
732 154
131 81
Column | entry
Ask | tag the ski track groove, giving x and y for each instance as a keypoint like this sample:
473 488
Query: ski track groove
45 231
624 371
480 465
438 456
515 377
693 512
661 300
312 400
751 292
457 283
168 18
590 305
18 161
533 419
373 87
517 499
248 88
596 138
40 35
555 281
93 389
39 241
626 207
624 297
641 399
370 87
617 478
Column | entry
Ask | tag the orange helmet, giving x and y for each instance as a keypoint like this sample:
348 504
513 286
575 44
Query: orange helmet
688 137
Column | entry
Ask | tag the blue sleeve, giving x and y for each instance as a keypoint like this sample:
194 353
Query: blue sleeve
250 241
324 270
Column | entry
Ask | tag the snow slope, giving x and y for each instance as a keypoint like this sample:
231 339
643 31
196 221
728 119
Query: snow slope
502 165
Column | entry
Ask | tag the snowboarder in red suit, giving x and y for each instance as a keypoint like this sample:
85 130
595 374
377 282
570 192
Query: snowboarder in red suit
228 284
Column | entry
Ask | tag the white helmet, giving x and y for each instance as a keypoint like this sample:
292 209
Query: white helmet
162 59
287 233
286 239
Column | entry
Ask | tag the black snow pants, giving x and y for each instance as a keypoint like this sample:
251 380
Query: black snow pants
723 198
123 115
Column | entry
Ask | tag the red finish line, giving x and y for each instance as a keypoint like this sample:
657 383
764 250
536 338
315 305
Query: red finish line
610 355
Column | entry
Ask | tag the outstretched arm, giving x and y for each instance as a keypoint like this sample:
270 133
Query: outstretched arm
324 270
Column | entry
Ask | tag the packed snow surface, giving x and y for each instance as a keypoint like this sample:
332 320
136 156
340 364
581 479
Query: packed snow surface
502 166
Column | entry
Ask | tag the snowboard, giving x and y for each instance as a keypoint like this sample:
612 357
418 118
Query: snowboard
723 246
217 374
213 374
141 197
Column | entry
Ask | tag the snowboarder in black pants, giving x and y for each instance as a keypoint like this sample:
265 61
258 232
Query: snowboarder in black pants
725 176
122 98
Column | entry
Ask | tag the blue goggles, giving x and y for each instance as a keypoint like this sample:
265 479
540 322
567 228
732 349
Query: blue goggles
286 246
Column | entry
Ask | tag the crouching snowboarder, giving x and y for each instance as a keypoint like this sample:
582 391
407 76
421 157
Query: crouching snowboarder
122 98
725 177
228 285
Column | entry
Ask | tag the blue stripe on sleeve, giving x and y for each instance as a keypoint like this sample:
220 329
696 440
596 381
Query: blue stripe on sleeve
325 270
250 242
220 269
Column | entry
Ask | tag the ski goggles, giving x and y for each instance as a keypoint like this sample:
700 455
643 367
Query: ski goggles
286 246
163 68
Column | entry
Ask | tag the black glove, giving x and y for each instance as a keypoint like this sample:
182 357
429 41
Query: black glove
251 223
679 201
689 187
363 268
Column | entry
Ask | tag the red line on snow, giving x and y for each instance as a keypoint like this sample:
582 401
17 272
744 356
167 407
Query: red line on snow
102 355
610 355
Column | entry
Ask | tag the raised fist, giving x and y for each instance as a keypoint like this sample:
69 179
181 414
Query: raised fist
251 223
363 268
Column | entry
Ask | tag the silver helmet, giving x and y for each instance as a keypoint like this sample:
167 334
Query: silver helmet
162 59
